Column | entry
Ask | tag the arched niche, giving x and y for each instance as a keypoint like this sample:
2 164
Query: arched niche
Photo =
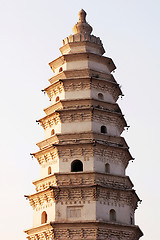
103 129
49 170
57 98
43 217
112 215
100 96
76 166
107 168
52 132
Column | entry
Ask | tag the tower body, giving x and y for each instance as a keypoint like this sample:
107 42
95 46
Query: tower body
83 192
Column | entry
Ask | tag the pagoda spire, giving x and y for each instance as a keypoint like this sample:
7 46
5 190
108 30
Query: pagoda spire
82 16
82 26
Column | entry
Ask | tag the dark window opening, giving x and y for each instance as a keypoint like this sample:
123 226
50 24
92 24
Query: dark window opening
49 170
100 96
76 166
60 69
112 215
103 129
57 98
52 132
44 217
107 168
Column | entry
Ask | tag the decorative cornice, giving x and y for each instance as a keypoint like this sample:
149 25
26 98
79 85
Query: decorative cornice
82 73
96 230
48 156
79 38
55 89
42 232
83 178
90 193
50 120
82 138
78 104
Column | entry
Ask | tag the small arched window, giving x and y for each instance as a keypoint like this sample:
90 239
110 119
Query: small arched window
52 132
112 215
60 69
76 166
107 168
103 129
100 96
49 170
43 217
57 98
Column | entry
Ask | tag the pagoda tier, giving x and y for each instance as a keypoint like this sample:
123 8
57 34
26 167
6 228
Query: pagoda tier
86 118
95 150
68 88
84 150
83 192
83 60
85 202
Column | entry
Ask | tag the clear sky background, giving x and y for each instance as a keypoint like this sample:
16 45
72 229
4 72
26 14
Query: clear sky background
31 32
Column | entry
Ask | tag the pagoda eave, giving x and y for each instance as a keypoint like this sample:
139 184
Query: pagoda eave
61 80
95 192
81 137
82 177
101 230
82 56
97 230
68 47
81 73
77 103
39 229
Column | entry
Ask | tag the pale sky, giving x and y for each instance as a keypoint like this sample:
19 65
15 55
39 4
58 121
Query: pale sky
31 32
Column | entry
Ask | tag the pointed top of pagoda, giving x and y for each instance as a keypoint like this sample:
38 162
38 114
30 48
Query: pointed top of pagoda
82 26
82 16
82 40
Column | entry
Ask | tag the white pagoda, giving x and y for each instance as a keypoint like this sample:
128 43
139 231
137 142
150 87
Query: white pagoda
83 192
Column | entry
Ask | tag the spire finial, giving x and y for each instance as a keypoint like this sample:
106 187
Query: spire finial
82 16
82 26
